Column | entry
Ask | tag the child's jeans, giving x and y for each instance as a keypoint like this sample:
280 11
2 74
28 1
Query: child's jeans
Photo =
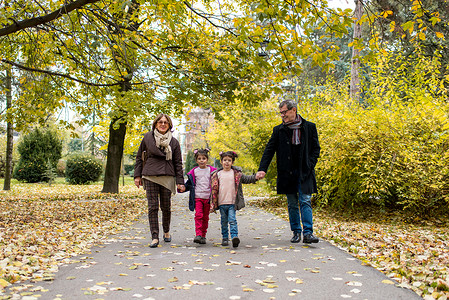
227 212
202 209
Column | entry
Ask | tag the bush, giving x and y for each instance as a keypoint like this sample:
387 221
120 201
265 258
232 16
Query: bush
30 171
129 169
391 150
36 149
83 168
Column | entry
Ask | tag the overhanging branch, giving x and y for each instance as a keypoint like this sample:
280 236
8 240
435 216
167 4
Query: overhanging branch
25 68
33 22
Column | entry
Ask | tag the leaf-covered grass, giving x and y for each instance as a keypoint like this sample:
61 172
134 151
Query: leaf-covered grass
412 251
40 226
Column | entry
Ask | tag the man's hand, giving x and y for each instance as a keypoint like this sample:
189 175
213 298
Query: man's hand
138 181
260 175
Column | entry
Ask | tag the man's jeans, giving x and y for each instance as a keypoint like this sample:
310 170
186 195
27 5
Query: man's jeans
227 212
305 206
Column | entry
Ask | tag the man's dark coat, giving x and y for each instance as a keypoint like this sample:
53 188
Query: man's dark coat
288 173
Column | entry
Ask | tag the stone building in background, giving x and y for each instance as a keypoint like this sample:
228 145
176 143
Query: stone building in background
196 123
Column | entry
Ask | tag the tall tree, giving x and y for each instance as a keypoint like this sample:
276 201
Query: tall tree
9 132
355 61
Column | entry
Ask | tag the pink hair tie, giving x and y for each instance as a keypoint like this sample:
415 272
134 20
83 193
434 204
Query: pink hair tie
221 152
195 151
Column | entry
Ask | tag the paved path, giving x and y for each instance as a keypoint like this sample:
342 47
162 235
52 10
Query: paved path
265 266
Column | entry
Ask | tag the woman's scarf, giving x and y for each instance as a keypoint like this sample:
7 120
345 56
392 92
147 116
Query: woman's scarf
163 141
295 125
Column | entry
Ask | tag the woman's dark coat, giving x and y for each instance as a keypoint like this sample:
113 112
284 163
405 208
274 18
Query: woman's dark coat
156 164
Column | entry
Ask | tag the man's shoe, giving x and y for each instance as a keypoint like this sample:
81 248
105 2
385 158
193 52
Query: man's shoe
235 242
167 239
203 240
296 238
197 239
310 238
225 242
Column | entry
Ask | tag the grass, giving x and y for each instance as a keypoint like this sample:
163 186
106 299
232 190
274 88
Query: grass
42 226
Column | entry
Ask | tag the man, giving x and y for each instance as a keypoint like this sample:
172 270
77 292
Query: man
297 149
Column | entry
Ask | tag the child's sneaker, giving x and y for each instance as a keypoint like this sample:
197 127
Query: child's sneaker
197 239
203 240
235 242
225 242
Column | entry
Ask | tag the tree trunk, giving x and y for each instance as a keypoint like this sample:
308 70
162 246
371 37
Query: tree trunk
355 62
92 136
9 133
117 137
114 158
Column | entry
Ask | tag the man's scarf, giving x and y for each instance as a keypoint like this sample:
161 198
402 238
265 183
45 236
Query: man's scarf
295 125
163 141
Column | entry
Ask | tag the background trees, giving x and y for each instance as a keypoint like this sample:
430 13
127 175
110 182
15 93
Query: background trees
125 61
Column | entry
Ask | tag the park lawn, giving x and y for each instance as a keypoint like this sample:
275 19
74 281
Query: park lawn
413 252
42 226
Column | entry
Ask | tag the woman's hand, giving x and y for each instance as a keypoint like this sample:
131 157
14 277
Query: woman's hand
181 188
138 181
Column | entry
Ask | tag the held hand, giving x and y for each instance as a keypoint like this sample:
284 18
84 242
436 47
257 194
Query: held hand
181 188
138 181
260 175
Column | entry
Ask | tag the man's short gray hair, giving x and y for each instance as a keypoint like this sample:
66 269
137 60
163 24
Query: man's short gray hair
290 104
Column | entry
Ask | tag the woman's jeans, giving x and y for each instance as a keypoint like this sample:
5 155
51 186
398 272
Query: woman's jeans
305 206
227 212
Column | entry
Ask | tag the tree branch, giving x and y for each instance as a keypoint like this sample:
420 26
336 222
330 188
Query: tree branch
25 68
33 22
208 20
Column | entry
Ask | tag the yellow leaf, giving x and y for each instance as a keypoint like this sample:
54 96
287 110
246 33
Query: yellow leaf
392 26
439 34
4 283
386 281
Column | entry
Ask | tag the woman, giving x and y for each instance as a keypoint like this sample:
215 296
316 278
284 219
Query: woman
159 169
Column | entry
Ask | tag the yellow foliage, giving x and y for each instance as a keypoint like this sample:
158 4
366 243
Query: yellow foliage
391 148
240 128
